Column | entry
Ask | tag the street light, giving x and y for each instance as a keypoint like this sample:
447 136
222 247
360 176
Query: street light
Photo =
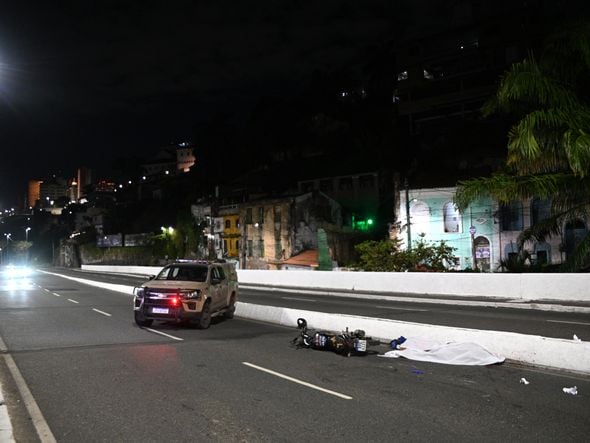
168 230
27 233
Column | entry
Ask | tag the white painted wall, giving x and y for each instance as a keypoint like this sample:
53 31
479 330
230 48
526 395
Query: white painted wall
565 287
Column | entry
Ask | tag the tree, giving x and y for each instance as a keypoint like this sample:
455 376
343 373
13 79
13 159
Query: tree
386 256
549 143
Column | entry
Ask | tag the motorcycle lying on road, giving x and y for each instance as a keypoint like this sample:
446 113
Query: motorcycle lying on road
344 343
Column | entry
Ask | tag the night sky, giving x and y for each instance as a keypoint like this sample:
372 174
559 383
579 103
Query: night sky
82 83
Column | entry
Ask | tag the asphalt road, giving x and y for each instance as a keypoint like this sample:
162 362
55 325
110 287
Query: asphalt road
96 376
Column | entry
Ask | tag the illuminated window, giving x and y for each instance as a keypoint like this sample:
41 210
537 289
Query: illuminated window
451 217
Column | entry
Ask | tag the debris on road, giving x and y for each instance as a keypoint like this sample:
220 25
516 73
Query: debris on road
576 338
572 391
396 343
524 381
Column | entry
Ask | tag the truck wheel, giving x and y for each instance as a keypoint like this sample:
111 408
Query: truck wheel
141 321
231 309
205 320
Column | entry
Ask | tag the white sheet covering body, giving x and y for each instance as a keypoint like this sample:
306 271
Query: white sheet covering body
470 354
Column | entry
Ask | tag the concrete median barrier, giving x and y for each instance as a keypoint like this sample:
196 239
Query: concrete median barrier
546 352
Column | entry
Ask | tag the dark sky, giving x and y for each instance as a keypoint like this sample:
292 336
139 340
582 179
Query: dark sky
82 82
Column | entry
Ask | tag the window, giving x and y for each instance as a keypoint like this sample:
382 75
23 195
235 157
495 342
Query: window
224 245
250 248
574 233
307 186
511 216
217 273
277 214
510 251
261 214
540 210
237 222
451 218
325 185
248 216
419 217
512 257
345 184
542 258
366 181
227 224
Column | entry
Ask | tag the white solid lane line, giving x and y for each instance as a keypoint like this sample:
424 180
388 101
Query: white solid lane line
43 431
299 299
569 322
401 309
164 334
101 312
56 294
294 380
73 301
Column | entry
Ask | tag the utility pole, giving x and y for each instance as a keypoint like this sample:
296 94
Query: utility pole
244 246
408 214
472 231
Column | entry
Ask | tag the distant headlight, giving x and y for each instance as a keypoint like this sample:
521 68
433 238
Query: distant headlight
18 271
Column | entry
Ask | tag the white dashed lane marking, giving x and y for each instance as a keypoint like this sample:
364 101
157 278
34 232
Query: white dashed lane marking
295 380
102 312
164 334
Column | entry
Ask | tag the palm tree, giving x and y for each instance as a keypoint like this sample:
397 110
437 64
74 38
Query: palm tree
549 143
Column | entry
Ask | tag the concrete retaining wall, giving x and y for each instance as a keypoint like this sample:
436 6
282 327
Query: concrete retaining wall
567 287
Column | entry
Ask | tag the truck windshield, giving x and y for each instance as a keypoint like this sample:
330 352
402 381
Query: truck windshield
183 273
